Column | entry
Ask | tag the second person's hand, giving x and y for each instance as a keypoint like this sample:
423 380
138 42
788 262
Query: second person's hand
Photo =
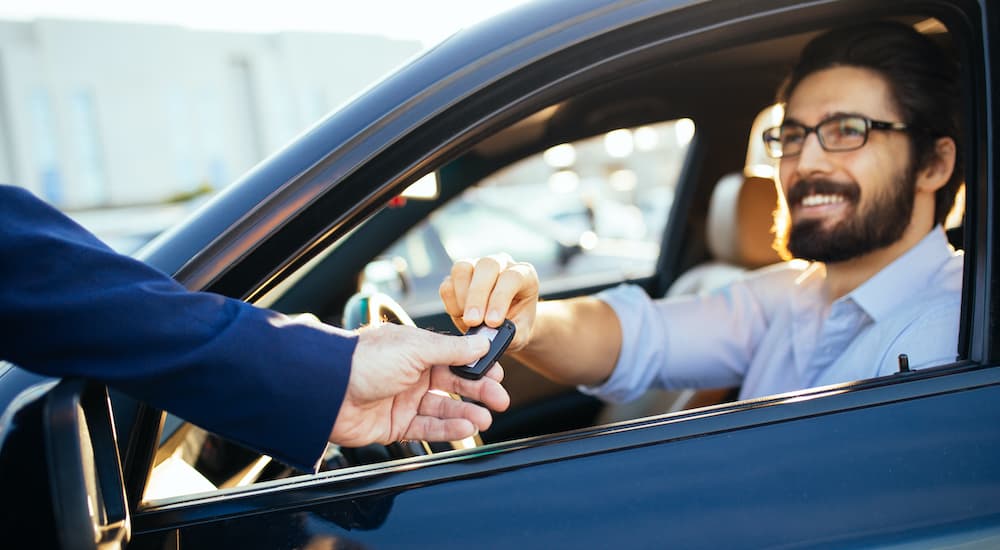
389 395
490 289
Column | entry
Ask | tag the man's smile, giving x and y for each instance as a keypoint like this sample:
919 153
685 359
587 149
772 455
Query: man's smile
817 200
813 199
817 206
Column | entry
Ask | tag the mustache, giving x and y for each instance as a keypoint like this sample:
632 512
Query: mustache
820 186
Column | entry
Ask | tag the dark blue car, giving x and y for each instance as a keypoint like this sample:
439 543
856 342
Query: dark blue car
909 460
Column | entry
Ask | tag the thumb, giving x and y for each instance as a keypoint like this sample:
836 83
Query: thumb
442 349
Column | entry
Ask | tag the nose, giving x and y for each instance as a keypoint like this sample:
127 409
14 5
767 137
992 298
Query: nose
813 159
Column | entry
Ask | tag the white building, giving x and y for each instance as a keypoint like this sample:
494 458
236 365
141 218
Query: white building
99 114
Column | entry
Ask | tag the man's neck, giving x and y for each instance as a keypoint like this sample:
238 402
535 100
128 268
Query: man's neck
843 277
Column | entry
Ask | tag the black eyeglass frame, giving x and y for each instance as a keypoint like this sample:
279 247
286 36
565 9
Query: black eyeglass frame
772 135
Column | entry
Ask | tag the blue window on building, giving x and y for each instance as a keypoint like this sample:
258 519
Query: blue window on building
93 184
45 147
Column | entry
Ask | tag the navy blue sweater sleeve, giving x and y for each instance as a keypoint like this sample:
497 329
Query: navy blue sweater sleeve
71 306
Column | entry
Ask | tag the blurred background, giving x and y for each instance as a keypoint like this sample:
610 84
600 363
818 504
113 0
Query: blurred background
127 115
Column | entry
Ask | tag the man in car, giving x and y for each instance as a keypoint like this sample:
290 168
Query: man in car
71 306
869 168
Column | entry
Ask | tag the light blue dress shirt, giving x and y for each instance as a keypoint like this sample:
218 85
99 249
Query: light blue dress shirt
773 331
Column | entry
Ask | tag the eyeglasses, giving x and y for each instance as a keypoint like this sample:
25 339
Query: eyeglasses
837 133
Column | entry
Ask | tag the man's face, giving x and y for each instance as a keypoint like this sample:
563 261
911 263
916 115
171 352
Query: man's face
848 203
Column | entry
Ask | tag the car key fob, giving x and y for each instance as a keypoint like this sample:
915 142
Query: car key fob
500 338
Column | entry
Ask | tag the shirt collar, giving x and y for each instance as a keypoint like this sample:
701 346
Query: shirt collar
807 306
903 279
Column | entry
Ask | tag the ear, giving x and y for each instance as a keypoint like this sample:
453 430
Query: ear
938 170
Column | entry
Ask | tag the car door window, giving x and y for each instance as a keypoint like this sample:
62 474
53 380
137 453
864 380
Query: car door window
590 212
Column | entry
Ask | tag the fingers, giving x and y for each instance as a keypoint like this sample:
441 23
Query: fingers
516 287
486 390
441 418
484 279
461 277
452 306
445 407
496 373
429 428
466 290
488 290
389 358
442 349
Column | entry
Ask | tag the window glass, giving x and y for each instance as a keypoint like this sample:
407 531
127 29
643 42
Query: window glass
92 176
585 213
516 235
46 147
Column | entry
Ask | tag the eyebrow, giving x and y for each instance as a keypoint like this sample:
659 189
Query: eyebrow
828 116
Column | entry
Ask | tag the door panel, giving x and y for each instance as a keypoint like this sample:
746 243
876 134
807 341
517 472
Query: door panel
849 477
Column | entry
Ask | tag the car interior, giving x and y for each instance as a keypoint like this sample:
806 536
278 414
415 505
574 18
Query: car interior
716 226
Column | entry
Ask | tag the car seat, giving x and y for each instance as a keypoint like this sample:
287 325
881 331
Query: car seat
738 233
740 218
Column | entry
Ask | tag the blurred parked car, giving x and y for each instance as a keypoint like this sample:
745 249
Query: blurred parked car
565 257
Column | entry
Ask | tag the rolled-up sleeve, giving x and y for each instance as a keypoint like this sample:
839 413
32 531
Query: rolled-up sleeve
702 341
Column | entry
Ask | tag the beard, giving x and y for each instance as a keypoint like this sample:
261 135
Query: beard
865 228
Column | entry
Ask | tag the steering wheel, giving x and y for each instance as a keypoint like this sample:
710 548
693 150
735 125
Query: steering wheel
375 308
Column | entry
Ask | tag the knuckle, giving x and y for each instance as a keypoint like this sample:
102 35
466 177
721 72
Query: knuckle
462 268
519 281
447 286
488 262
527 269
503 259
511 276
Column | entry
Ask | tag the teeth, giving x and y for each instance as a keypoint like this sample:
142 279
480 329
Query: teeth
817 200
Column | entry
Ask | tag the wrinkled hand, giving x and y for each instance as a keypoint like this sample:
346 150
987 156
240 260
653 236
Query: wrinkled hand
490 289
388 396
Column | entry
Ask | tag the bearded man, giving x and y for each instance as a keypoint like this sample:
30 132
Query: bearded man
869 169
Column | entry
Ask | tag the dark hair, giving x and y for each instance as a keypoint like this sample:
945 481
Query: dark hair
922 78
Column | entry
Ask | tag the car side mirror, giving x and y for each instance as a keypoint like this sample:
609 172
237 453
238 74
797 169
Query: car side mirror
88 496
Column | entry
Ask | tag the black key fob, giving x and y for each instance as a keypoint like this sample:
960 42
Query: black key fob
500 338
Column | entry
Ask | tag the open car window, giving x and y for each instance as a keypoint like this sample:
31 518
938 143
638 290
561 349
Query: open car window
597 209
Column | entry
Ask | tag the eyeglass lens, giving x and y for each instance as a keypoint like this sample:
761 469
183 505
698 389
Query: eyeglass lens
835 134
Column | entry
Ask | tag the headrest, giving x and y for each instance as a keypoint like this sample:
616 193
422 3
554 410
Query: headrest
758 163
739 221
740 213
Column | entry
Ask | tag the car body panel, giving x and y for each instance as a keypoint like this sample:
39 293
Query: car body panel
790 475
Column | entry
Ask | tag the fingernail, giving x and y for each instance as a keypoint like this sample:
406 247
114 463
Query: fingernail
472 313
494 316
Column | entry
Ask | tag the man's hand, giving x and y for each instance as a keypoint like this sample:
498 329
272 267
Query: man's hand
388 396
490 289
573 341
